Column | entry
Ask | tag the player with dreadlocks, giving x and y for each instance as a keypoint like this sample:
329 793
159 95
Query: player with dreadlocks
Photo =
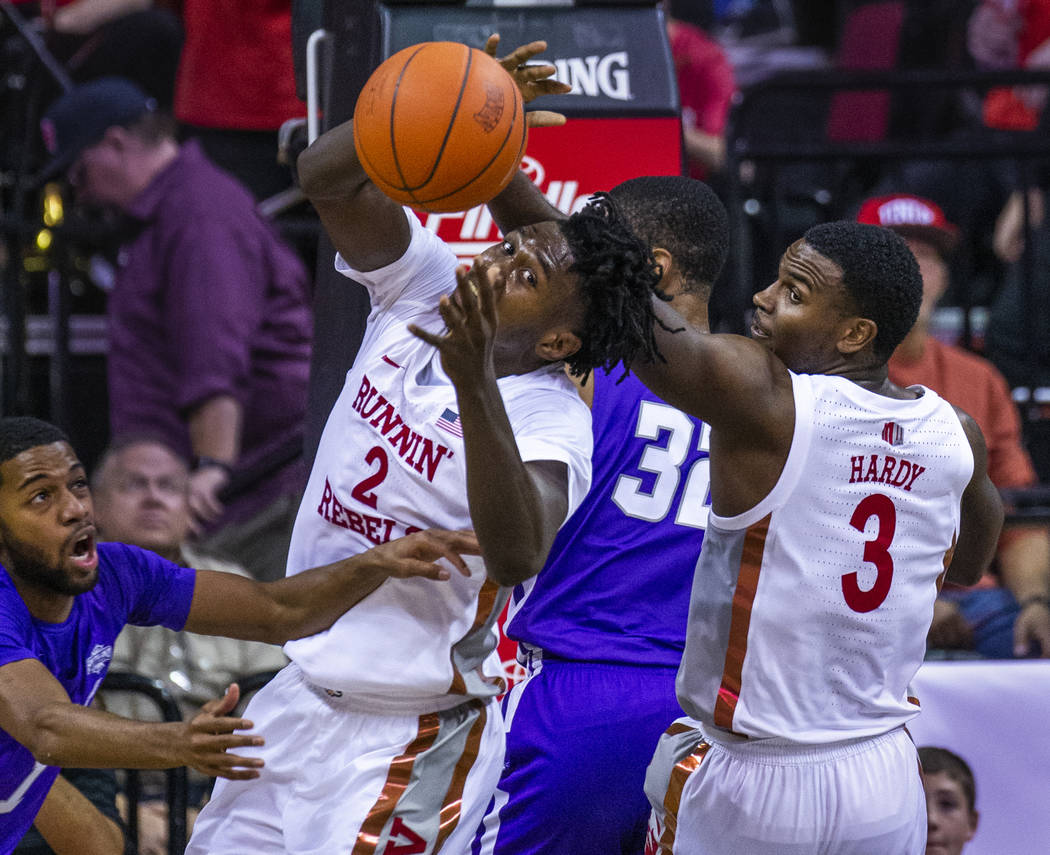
456 412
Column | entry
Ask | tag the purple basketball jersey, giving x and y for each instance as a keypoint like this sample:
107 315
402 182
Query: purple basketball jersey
616 584
134 586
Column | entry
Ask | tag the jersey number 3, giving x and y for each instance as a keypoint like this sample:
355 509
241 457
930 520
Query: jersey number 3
875 552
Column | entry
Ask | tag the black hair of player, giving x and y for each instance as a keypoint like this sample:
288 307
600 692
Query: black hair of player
879 274
683 216
617 278
936 760
20 433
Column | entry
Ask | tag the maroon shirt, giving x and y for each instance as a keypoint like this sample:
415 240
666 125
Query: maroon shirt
208 301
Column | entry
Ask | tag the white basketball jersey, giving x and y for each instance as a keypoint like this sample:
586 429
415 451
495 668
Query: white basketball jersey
809 612
391 461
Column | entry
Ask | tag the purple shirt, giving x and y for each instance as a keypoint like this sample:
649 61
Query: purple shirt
134 586
209 301
616 584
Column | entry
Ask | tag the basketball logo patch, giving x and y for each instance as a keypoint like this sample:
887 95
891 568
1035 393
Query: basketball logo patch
892 433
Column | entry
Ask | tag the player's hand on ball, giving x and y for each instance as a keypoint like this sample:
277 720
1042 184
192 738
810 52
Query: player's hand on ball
416 554
470 320
212 732
533 80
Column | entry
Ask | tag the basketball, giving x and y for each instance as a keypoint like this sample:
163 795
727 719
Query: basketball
440 126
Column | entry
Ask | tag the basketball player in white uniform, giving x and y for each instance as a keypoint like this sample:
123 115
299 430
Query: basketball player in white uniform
838 503
383 732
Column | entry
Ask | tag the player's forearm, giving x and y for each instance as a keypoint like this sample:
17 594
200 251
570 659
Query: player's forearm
72 825
67 734
215 429
329 167
1024 561
515 525
310 602
522 204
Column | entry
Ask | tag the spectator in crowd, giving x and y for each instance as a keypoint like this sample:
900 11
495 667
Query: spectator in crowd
141 490
1008 615
209 321
1006 34
236 86
951 795
136 39
705 88
1018 334
78 817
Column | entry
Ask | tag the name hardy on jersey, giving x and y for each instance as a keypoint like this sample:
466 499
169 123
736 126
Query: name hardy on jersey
884 469
422 454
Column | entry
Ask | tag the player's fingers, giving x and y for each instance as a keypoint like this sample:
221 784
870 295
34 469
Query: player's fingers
522 54
232 762
206 726
451 312
492 45
487 302
429 338
470 292
463 541
451 546
544 119
407 567
235 774
221 706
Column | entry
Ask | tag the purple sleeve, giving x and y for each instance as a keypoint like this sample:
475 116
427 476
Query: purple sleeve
213 305
156 591
15 626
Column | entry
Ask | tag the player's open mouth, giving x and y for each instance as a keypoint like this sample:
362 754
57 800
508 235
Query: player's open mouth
757 331
83 552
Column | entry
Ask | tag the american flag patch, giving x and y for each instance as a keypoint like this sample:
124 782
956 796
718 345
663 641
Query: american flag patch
449 421
892 433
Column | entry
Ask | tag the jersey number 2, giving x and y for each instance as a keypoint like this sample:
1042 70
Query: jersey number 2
875 552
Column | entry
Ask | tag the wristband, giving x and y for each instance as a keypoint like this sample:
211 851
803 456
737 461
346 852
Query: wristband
1027 601
202 462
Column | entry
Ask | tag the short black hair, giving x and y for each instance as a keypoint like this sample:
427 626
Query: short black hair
617 279
20 433
879 273
683 216
936 760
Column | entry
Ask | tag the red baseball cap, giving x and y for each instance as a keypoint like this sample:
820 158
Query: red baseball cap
911 216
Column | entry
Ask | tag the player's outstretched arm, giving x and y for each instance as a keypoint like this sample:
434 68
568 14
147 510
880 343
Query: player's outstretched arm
367 227
311 601
36 711
729 381
521 203
982 514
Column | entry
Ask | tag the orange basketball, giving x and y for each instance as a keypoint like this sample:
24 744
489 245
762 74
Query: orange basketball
440 126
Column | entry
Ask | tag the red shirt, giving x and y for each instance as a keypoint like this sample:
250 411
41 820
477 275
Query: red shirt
705 81
236 69
973 384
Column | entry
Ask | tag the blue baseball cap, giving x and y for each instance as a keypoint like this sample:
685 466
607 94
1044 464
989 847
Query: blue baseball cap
79 118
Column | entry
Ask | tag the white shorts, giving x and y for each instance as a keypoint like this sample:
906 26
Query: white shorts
712 796
354 783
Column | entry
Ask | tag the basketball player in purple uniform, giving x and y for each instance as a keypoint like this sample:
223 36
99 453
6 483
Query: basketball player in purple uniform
602 628
64 599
